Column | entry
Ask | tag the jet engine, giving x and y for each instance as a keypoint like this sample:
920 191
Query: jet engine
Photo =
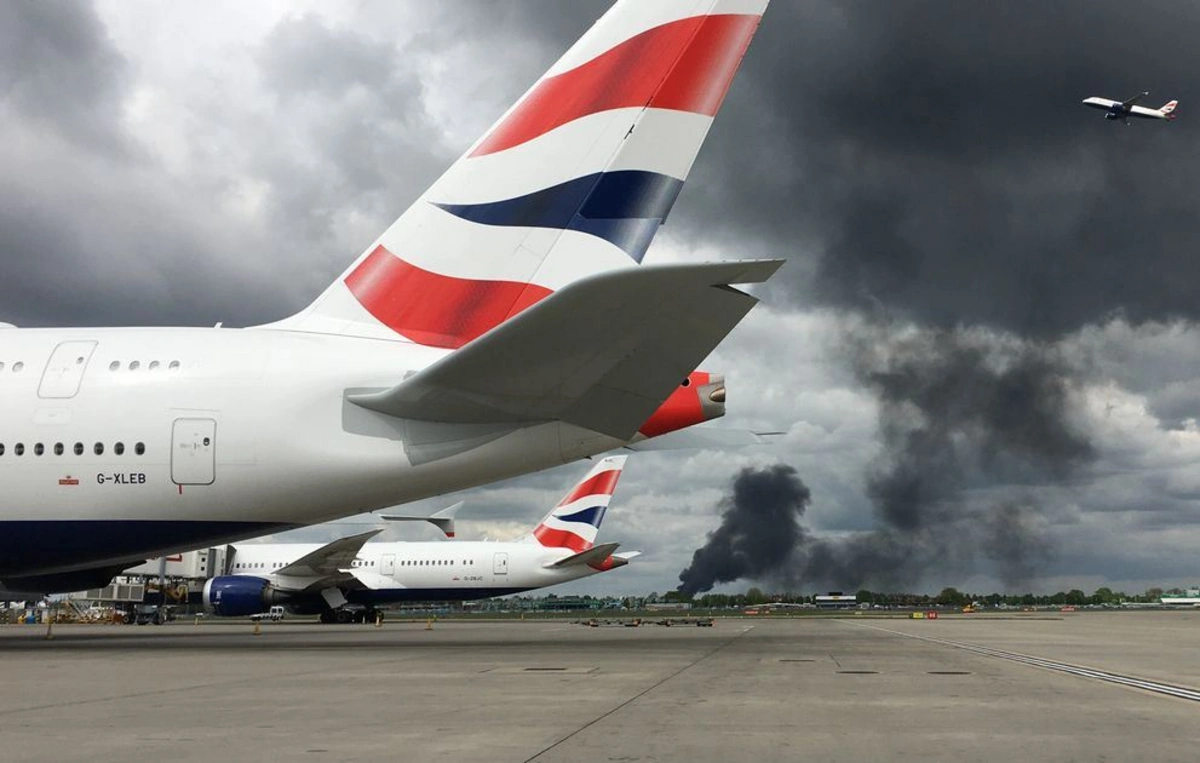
700 398
238 595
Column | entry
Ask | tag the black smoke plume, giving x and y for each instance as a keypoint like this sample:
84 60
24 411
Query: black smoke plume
976 427
759 529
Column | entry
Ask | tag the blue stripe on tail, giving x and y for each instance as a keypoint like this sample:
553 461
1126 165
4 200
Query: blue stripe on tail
624 207
593 516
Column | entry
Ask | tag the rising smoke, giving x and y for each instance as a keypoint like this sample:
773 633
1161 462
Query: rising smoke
974 424
759 529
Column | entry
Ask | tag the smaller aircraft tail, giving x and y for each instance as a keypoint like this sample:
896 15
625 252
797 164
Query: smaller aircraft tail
575 521
1168 109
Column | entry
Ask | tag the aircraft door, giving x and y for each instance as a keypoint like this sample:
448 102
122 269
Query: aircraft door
500 563
64 370
387 565
193 451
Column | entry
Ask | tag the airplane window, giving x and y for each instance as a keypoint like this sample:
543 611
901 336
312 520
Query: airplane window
113 366
79 449
1 449
18 366
19 449
39 449
58 448
174 365
139 449
119 448
154 364
135 365
1 365
79 361
98 449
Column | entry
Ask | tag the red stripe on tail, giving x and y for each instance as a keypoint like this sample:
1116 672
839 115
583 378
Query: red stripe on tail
686 65
554 538
434 309
603 483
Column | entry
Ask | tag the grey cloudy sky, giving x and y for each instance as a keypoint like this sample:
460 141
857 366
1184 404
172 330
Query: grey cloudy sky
990 295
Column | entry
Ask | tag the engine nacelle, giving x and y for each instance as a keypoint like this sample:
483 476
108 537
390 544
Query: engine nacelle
237 595
700 398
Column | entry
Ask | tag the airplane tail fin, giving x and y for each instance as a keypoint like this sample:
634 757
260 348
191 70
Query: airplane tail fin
573 180
1168 109
575 521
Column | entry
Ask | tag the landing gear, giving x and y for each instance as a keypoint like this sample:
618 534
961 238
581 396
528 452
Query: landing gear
351 614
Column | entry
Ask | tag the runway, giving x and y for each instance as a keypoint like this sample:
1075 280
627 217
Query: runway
849 689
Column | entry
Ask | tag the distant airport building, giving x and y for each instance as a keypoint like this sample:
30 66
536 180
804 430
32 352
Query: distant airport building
835 601
1191 598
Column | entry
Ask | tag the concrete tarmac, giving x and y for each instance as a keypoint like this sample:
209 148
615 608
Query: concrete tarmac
771 689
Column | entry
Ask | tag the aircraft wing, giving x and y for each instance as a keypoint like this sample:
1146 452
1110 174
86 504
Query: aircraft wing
1130 102
602 353
328 560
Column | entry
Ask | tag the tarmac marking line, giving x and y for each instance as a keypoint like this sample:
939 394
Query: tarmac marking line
640 694
1156 687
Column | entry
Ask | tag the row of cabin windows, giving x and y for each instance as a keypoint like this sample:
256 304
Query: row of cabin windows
136 364
414 563
358 563
59 449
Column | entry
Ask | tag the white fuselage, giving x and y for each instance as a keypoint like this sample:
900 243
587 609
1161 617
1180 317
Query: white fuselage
1116 110
429 571
193 437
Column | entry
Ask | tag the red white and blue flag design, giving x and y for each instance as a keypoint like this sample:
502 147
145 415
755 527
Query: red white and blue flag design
575 179
575 521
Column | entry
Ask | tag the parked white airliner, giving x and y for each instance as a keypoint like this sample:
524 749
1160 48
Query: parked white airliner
502 325
310 578
1126 109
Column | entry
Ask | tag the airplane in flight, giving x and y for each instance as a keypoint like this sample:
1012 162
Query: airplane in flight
1128 108
345 580
504 324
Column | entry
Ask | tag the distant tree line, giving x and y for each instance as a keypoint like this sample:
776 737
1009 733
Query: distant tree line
947 597
755 596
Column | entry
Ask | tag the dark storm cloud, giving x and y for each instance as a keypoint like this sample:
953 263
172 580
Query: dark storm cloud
935 157
961 409
58 68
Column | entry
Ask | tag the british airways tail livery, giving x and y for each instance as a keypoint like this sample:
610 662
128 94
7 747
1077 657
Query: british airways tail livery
503 325
313 579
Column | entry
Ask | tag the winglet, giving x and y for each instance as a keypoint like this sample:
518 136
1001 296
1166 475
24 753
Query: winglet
444 519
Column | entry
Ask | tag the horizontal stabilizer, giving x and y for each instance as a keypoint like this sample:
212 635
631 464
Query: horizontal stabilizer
602 353
444 519
622 559
702 438
594 555
328 559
